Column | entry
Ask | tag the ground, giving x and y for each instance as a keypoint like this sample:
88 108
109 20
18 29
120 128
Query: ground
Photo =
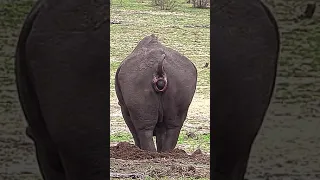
286 148
130 160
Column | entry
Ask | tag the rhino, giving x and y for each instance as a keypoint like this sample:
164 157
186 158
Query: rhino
244 50
60 69
155 86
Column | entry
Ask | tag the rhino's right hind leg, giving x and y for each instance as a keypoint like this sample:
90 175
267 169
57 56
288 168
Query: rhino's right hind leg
126 116
230 163
175 122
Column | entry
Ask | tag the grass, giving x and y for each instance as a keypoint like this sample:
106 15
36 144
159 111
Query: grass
184 29
189 144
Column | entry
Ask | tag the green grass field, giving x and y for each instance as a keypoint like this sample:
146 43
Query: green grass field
189 143
185 29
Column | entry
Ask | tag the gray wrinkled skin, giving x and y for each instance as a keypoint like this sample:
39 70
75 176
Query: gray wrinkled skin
60 67
245 51
145 111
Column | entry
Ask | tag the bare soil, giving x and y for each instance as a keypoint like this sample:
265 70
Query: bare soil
176 163
127 151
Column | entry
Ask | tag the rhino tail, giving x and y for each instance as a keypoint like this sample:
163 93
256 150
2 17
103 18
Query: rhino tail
160 70
160 82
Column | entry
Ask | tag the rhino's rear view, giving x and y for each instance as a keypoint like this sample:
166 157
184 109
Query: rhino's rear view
155 86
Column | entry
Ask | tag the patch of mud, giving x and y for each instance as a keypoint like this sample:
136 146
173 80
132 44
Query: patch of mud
127 151
128 160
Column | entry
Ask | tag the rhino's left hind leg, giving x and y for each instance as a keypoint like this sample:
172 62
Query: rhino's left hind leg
144 121
47 155
127 119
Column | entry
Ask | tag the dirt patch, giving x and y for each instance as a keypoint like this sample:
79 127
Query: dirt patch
176 163
127 151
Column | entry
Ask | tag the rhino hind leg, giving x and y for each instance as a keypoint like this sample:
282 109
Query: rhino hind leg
234 166
46 152
174 124
49 163
127 119
144 123
171 139
146 140
160 133
144 117
48 159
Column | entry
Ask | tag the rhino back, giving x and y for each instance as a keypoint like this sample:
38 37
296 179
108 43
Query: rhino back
136 73
142 64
